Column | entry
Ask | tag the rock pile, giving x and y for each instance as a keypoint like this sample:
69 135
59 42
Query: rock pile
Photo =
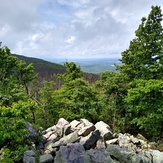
83 142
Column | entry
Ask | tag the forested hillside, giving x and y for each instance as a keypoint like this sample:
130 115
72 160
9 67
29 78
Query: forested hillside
129 100
44 68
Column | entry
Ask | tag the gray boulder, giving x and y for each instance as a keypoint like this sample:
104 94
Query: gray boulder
86 130
52 137
29 157
90 141
104 130
72 153
71 138
60 126
124 155
47 158
98 156
67 129
155 155
48 134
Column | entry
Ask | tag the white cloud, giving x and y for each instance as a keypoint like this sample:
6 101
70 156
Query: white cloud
71 39
71 29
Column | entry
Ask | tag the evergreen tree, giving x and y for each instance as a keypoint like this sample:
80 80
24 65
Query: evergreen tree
112 89
142 63
144 57
15 106
72 72
76 98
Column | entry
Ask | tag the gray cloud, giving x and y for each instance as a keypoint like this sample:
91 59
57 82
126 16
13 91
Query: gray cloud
71 29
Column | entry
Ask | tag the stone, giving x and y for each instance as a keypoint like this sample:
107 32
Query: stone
152 145
47 158
53 128
40 148
72 153
29 157
104 130
90 141
71 138
86 130
52 137
124 155
60 126
91 144
67 129
49 148
112 141
134 140
32 132
48 129
85 122
80 126
157 156
74 124
123 140
47 135
139 136
98 156
100 144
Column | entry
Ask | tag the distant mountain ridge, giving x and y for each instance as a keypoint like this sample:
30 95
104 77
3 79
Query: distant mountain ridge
45 69
91 67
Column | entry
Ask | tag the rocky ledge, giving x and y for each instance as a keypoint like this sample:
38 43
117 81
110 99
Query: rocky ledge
84 142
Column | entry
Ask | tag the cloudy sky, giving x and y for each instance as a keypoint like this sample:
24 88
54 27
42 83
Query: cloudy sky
71 28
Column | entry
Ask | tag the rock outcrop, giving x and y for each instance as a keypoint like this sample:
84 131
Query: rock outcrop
83 142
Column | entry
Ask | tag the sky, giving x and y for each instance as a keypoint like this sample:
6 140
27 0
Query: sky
71 28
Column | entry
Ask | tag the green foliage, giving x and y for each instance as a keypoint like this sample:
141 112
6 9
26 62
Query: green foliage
12 129
112 90
14 77
145 105
77 99
7 64
142 63
47 114
15 108
72 72
144 59
24 73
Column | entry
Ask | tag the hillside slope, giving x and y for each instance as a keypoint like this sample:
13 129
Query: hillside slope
44 68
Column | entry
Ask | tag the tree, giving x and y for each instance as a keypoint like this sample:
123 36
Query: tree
145 106
13 130
72 72
15 104
144 57
14 77
76 98
112 89
24 74
142 63
7 64
47 105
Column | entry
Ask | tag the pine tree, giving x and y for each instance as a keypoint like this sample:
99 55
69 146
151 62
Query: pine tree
142 63
144 57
